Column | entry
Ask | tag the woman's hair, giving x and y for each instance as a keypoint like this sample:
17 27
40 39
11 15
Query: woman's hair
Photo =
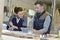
17 9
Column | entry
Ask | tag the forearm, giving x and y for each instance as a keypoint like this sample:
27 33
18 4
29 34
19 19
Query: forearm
11 24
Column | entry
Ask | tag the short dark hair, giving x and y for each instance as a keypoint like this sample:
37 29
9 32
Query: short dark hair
39 2
17 9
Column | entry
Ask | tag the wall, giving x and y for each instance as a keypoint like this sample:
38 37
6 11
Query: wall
1 14
24 3
28 4
57 18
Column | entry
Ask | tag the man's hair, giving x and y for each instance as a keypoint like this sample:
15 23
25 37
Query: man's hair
39 2
17 9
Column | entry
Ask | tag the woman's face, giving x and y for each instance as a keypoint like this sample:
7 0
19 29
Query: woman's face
20 14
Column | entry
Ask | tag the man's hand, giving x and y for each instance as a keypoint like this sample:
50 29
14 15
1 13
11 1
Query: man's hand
36 31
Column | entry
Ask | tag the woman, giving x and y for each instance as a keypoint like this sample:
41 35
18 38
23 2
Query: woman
17 21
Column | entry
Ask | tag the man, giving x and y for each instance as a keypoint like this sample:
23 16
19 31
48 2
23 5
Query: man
18 20
41 20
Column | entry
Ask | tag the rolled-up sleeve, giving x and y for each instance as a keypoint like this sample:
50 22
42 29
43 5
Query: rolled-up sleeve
46 25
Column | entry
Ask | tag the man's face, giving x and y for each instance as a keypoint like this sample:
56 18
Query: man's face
38 8
20 14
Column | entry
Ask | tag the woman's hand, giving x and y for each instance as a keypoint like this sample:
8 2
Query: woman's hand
13 27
